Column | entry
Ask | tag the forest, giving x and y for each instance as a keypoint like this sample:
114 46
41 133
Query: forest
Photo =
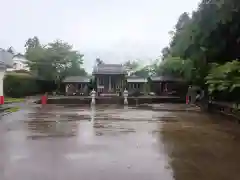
205 49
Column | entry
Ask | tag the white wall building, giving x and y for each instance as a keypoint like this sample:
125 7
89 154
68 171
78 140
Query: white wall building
5 62
19 63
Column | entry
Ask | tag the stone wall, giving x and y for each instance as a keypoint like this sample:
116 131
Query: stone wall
114 100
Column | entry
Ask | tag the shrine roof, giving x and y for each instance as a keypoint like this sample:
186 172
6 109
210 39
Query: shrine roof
136 79
73 79
165 78
109 69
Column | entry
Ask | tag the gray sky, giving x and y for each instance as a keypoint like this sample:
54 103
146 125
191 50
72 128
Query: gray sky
113 30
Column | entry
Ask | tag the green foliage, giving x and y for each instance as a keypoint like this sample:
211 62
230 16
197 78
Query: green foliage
146 88
165 52
125 83
131 66
92 83
13 100
135 68
224 77
32 43
176 67
19 86
12 109
99 61
209 39
143 72
53 61
210 35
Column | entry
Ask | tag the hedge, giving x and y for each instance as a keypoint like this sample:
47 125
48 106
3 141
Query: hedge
24 84
19 85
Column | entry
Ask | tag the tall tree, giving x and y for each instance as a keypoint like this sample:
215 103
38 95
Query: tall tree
131 66
176 67
32 42
143 72
165 52
74 66
55 60
211 35
99 61
183 20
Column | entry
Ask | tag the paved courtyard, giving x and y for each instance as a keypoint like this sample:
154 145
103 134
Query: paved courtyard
115 143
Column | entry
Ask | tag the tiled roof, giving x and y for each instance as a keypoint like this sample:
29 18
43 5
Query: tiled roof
5 59
137 79
165 78
71 79
19 55
109 69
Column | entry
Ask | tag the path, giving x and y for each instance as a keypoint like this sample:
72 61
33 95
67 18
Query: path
58 143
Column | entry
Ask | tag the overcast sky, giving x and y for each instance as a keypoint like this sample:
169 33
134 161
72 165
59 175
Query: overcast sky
113 30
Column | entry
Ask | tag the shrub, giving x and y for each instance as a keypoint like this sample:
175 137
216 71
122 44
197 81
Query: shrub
19 85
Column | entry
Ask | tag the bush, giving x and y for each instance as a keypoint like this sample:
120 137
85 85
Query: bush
19 85
48 86
224 81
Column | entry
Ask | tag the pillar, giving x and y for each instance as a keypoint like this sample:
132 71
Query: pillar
76 88
97 83
122 84
160 88
109 84
66 89
2 72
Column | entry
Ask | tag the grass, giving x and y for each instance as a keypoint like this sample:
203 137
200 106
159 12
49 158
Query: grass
12 109
13 100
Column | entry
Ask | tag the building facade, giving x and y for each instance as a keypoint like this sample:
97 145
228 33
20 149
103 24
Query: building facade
167 85
136 83
5 62
110 78
76 85
19 63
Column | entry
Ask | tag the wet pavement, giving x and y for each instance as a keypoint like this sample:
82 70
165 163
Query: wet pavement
112 142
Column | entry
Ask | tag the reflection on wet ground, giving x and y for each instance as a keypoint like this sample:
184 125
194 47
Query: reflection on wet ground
202 147
112 142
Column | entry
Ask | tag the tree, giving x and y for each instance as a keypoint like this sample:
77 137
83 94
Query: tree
211 35
131 66
54 61
176 67
74 66
32 42
143 72
40 63
99 61
165 52
224 77
33 49
183 20
11 50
